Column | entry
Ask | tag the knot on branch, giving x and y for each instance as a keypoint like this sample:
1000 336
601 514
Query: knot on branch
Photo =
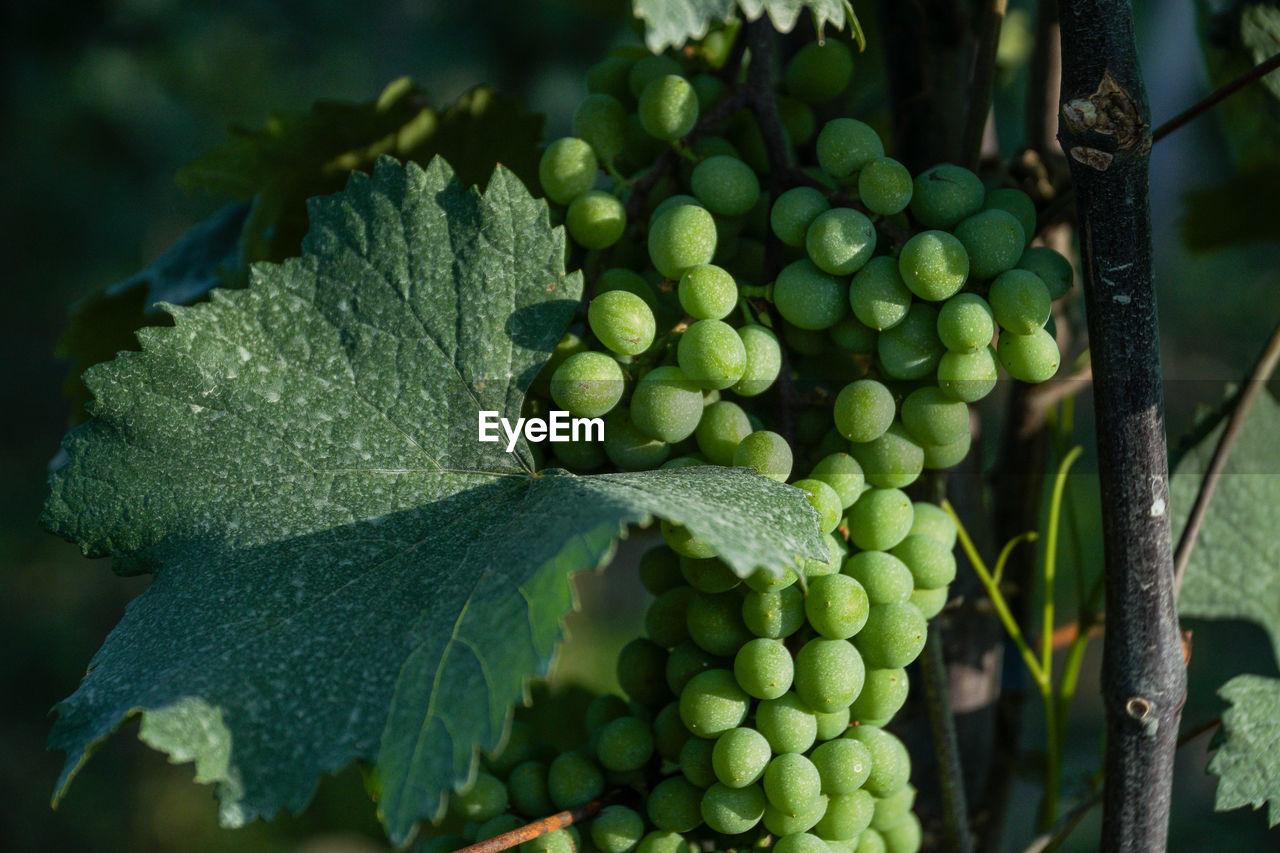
1110 112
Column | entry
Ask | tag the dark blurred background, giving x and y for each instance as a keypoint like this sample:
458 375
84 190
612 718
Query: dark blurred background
102 101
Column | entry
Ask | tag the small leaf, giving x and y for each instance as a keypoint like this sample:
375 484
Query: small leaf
342 571
1247 761
670 23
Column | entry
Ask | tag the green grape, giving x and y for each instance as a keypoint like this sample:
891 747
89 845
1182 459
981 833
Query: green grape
686 660
893 808
710 90
836 607
1054 270
843 765
666 619
832 725
968 376
573 779
807 297
696 761
824 499
683 542
521 745
675 805
940 456
683 237
764 668
596 219
604 709
767 452
624 744
993 240
870 841
725 184
684 462
911 350
670 202
801 842
587 384
567 169
663 842
528 787
739 757
787 723
763 580
579 456
933 521
851 334
648 69
622 322
946 194
782 824
835 557
711 354
444 844
891 461
617 829
484 800
793 213
805 341
878 295
846 145
712 703
864 410
890 763
601 120
893 636
707 292
620 278
1029 358
1020 302
722 427
966 323
840 242
1016 203
930 601
829 673
930 417
641 671
609 77
764 360
792 783
496 826
842 473
818 71
885 186
775 614
715 622
847 815
934 265
708 575
883 693
666 404
884 577
668 108
660 570
731 810
798 119
906 836
568 345
879 519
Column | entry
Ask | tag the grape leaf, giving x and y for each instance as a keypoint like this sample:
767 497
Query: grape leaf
341 570
1235 35
1247 761
670 23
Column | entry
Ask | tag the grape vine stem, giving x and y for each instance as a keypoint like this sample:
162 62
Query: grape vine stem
530 831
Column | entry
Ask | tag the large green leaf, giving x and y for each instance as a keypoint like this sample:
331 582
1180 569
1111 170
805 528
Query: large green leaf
673 22
1248 758
342 571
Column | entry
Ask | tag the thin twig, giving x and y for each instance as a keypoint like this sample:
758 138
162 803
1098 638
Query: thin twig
1254 386
942 726
1217 96
984 75
530 831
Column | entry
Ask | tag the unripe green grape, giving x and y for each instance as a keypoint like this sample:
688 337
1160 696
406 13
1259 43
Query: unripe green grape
682 237
683 462
660 570
805 341
624 744
930 601
587 384
671 202
968 376
1016 203
764 668
621 321
787 723
824 499
884 577
723 426
596 219
573 779
711 354
1029 358
528 787
1020 302
793 213
683 542
906 836
798 120
609 77
569 344
521 746
818 71
891 809
870 841
852 335
712 703
890 763
946 194
885 186
567 169
739 757
641 671
666 620
726 185
763 580
668 108
686 660
911 350
663 842
696 761
840 241
847 815
715 622
832 725
843 765
879 519
891 461
878 295
484 800
707 292
829 673
966 323
617 829
807 297
842 473
604 709
782 824
993 240
933 521
1054 270
846 145
774 614
731 810
934 265
579 456
893 636
675 805
792 783
835 558
883 693
836 607
620 278
764 360
801 842
930 417
938 457
708 575
495 826
601 120
767 452
710 90
864 410
648 69
667 404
